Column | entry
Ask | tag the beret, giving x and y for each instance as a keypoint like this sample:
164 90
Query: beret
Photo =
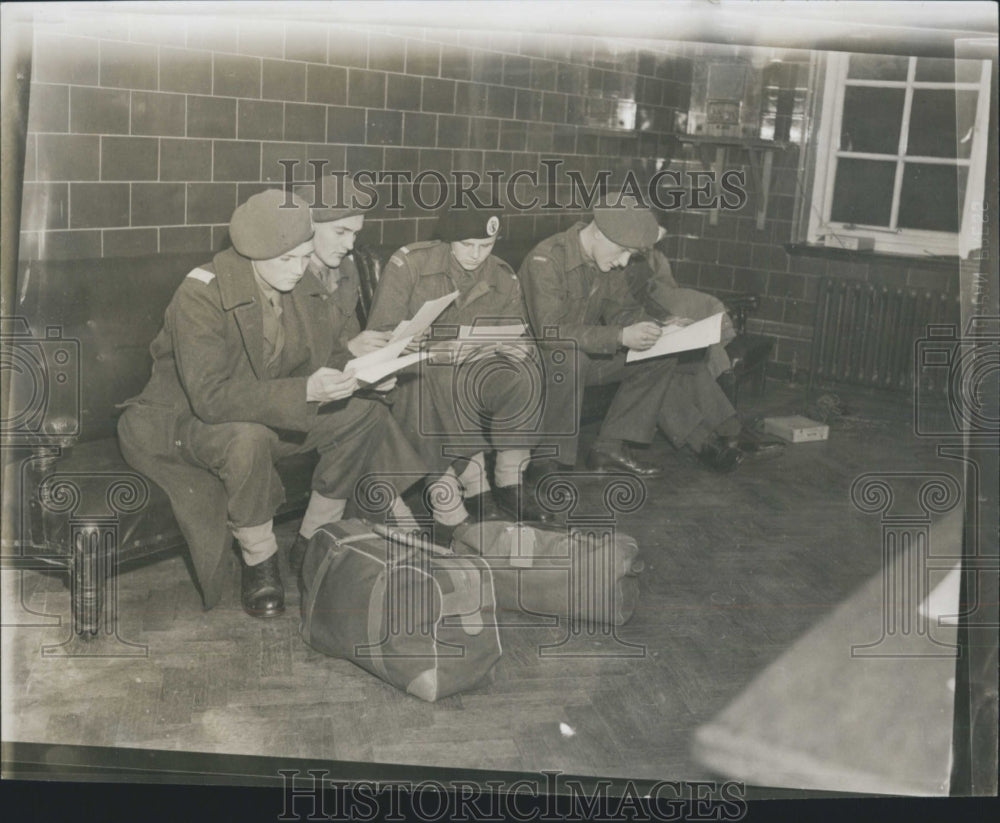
628 223
269 224
336 198
467 223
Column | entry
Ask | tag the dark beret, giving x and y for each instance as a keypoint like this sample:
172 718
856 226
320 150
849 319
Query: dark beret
627 223
269 224
337 198
467 223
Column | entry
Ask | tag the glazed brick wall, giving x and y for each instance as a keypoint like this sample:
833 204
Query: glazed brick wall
143 138
143 135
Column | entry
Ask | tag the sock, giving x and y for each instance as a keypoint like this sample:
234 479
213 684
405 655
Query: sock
730 427
510 464
319 511
257 543
446 499
473 479
400 514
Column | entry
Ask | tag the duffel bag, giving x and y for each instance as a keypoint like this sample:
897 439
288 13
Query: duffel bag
423 621
588 575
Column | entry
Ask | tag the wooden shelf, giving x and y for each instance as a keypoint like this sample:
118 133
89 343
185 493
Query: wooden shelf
761 156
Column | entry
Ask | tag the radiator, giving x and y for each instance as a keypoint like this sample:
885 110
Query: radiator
865 333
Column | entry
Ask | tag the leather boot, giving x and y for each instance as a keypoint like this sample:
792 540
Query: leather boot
518 503
481 508
621 458
262 593
720 456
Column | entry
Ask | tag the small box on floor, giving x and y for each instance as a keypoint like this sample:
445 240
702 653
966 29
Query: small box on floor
796 429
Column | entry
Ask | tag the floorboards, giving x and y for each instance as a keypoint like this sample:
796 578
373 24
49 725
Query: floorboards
737 568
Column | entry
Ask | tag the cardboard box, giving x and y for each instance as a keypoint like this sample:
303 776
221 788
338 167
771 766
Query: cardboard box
796 429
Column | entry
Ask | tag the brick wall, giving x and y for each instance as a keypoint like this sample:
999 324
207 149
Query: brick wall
145 134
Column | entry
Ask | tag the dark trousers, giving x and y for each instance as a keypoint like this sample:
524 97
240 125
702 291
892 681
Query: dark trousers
681 398
451 412
354 438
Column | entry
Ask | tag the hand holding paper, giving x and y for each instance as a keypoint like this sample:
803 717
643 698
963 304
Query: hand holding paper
377 365
676 337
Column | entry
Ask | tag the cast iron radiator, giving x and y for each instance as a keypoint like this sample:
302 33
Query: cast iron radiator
865 333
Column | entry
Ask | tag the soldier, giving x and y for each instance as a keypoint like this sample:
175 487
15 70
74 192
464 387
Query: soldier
575 288
338 218
440 410
246 370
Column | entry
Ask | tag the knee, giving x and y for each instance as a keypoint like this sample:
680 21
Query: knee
246 446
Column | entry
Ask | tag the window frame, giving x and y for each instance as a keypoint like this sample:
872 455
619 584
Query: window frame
908 242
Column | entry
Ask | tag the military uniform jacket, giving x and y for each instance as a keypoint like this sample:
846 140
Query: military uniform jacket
342 284
426 271
208 361
565 292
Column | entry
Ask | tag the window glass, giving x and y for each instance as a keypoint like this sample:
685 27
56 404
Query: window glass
872 119
863 191
941 122
932 196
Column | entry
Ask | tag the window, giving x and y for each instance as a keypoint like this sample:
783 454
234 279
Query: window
901 154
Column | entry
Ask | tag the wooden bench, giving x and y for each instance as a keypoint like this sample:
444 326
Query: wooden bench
76 347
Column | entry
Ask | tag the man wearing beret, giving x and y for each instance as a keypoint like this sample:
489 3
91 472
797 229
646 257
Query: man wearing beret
576 292
247 369
440 409
338 217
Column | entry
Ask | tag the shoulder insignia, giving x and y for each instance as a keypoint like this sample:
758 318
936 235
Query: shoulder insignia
404 250
202 275
540 259
396 260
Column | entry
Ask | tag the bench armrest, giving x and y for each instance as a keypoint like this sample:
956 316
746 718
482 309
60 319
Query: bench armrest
740 307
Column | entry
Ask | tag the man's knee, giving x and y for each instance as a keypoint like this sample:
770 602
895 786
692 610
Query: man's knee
239 447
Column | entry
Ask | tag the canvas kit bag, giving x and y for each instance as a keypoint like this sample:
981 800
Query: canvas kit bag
590 575
421 620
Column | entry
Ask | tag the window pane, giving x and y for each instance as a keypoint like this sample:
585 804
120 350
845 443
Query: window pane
933 126
872 119
947 71
877 67
862 192
931 197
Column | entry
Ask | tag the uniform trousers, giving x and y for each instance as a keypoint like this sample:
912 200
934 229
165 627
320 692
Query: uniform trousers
354 437
450 412
678 395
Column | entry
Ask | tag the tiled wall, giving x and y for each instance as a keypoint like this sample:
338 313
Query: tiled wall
143 138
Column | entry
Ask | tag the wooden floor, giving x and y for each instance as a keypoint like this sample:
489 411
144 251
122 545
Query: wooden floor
737 568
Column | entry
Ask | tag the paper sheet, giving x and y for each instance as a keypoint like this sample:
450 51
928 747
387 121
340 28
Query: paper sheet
377 372
423 319
377 365
676 338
